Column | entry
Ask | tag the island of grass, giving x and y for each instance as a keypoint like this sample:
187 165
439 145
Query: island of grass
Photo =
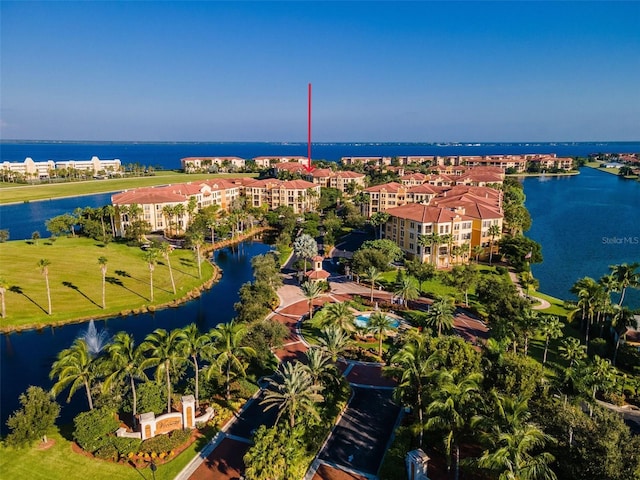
75 281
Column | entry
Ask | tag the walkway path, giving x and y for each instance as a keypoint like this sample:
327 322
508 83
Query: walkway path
368 421
543 305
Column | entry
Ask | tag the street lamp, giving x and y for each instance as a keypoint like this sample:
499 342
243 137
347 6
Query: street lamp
153 469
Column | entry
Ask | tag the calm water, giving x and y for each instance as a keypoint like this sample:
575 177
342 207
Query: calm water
584 223
168 155
26 357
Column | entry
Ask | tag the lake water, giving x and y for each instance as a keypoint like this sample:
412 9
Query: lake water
26 357
584 223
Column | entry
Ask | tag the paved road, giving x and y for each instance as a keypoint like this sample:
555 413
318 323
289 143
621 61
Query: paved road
360 438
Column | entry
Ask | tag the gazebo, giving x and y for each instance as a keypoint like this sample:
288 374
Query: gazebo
317 274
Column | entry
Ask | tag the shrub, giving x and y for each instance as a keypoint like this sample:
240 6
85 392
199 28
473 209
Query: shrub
125 446
501 270
37 415
107 452
165 443
92 429
152 397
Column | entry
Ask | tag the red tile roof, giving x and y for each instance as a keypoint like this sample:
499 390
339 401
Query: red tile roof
425 213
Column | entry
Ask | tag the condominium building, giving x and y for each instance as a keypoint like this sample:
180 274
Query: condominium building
440 228
45 169
340 180
266 162
198 164
300 195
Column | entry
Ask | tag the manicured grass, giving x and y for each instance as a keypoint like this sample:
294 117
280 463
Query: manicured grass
557 305
60 462
10 193
75 280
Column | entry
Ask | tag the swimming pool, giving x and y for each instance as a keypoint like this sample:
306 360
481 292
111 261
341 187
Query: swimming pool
362 320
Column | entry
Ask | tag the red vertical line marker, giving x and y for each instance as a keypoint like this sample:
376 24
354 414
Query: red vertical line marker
309 133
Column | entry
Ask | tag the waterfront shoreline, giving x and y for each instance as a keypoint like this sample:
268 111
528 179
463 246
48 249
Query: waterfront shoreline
193 294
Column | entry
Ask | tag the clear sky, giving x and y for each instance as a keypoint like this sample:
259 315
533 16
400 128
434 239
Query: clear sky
397 71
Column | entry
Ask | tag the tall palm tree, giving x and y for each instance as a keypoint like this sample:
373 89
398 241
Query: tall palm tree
75 368
179 210
110 211
373 275
165 250
193 344
230 355
378 219
406 290
102 261
124 361
626 276
380 324
43 264
528 324
550 328
167 212
493 232
447 238
573 351
311 291
197 240
451 410
416 365
340 315
622 318
3 290
513 458
476 251
440 314
334 341
433 241
162 351
292 391
151 257
601 374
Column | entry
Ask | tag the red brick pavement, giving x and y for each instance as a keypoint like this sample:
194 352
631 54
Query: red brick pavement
326 472
369 375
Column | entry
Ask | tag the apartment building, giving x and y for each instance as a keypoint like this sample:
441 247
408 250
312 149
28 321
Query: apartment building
447 228
30 168
266 162
198 164
340 180
300 195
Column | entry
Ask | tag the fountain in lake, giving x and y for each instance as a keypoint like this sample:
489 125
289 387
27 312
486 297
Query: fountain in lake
95 340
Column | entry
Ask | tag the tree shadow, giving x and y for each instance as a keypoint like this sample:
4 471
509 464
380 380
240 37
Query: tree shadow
77 289
118 282
18 290
122 273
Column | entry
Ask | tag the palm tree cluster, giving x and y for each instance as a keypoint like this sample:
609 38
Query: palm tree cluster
122 364
492 412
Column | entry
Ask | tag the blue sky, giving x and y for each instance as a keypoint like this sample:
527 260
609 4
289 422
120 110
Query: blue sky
401 71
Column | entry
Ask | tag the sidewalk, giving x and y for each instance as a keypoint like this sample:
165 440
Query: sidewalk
543 305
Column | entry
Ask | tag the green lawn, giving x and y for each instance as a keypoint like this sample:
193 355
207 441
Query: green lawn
10 193
60 462
76 281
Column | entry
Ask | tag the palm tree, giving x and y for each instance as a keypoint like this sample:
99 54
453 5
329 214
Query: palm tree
319 366
550 328
125 360
167 212
450 410
601 374
197 240
3 290
416 367
151 257
431 240
102 261
230 354
626 276
573 351
293 392
380 324
179 211
440 314
512 459
311 291
340 315
75 368
493 232
373 275
165 250
448 239
379 219
162 352
622 318
43 264
110 210
334 341
193 343
476 251
406 290
528 324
